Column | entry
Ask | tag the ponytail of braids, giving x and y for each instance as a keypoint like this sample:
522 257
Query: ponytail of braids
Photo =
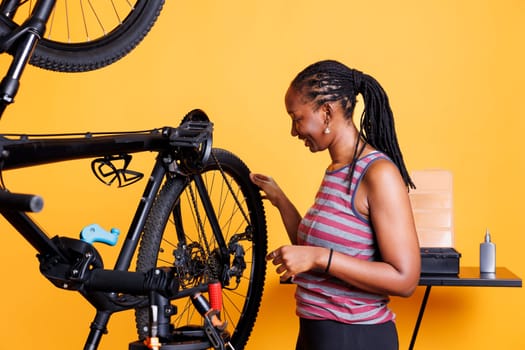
377 124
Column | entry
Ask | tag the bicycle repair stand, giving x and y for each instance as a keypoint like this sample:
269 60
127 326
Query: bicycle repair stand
212 334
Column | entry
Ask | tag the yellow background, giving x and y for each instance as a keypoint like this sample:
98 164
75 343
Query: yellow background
454 74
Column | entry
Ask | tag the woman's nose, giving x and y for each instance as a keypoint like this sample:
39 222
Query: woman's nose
293 131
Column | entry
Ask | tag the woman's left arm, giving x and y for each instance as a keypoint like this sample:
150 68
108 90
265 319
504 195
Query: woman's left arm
391 216
386 199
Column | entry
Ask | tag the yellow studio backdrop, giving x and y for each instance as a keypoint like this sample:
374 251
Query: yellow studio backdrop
454 74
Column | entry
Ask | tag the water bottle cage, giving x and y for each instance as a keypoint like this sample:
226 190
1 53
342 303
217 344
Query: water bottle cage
111 168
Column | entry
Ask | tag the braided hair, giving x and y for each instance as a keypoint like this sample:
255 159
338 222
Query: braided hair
332 81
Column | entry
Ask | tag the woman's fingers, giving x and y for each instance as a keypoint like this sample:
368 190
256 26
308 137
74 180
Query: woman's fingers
260 178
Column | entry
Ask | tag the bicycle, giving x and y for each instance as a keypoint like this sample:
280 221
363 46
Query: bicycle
199 226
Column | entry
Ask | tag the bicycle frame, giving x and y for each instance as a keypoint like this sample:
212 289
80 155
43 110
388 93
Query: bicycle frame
180 153
171 143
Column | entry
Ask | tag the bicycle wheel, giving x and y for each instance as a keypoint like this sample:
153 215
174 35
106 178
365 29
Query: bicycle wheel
87 35
178 233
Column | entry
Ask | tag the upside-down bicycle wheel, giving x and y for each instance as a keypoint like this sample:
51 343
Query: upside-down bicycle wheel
179 233
86 35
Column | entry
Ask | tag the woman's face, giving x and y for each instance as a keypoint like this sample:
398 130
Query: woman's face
308 122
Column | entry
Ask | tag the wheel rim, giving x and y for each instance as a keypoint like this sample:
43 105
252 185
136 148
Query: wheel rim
239 212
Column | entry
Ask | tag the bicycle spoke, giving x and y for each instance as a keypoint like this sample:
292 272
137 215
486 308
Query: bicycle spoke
220 188
81 21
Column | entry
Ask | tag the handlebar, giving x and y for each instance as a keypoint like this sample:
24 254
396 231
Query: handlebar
20 202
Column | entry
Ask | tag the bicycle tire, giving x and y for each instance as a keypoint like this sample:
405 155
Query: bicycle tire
246 299
63 56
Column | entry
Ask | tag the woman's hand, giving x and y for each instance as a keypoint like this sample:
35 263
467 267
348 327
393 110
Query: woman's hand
294 259
267 184
278 198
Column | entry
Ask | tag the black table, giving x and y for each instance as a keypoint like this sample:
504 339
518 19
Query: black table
467 277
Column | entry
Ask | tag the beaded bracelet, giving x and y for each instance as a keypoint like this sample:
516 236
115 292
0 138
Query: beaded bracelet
329 260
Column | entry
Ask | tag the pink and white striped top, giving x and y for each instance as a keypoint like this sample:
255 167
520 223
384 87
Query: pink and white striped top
333 222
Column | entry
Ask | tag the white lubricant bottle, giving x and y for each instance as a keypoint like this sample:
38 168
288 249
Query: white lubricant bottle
487 255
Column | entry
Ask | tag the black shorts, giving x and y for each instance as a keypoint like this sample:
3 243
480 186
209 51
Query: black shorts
332 335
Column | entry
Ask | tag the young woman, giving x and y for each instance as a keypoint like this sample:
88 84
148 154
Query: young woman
357 244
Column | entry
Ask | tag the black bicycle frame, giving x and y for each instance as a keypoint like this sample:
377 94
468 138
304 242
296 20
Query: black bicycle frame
23 153
76 265
186 147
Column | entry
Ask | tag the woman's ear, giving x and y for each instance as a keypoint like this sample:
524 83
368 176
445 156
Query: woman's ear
327 109
327 113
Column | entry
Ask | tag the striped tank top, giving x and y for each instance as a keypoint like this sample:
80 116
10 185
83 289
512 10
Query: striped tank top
333 222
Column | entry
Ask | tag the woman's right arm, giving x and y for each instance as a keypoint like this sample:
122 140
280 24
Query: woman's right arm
289 213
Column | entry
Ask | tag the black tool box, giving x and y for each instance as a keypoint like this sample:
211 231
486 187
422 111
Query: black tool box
439 261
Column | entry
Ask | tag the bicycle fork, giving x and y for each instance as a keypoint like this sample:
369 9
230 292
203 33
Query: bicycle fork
22 43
